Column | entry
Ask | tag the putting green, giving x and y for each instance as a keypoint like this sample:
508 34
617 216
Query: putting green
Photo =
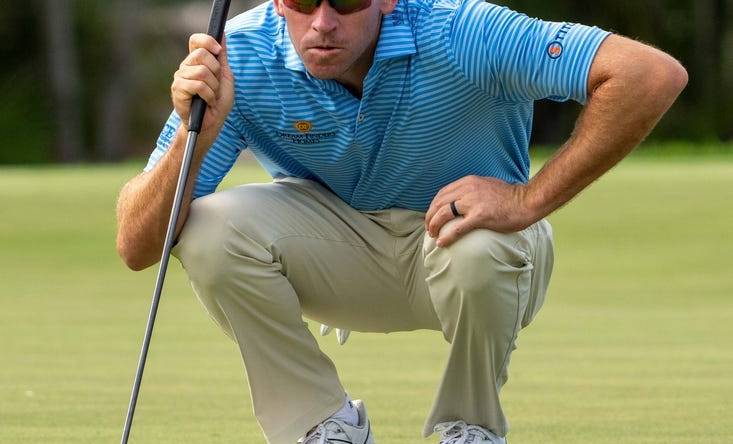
635 343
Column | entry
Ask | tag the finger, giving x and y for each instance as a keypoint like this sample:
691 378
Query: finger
182 106
204 41
440 201
202 57
196 87
199 73
448 193
185 88
443 216
181 98
435 206
453 233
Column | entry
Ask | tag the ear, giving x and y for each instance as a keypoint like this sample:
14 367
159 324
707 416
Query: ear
386 6
279 8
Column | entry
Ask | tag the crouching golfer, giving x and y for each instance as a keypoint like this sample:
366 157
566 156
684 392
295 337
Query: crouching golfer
396 133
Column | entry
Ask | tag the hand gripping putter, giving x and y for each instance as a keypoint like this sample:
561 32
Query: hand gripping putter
217 21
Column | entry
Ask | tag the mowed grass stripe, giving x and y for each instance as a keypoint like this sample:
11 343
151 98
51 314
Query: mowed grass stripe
633 345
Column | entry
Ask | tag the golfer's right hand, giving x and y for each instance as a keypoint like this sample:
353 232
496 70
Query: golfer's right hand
204 72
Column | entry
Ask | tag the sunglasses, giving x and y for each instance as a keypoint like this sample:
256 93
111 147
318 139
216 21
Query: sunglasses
343 7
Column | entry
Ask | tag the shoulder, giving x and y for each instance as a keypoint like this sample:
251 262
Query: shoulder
469 23
441 18
262 18
442 6
254 32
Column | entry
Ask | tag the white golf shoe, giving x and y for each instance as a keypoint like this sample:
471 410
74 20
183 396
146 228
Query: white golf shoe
334 431
458 432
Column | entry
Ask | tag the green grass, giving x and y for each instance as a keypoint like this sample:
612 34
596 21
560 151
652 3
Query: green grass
634 345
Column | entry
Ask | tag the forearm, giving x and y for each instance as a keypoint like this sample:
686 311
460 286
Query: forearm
621 111
145 202
630 87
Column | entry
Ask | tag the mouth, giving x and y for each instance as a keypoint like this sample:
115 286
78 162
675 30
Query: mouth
324 50
324 45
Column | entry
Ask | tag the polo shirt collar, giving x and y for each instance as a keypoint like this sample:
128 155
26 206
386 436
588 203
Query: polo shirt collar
292 59
396 39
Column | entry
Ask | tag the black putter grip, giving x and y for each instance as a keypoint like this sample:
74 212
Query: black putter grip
217 21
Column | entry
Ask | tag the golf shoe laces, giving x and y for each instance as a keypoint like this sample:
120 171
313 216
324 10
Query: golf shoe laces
458 432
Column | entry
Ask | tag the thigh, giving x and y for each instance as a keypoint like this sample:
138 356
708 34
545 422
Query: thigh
516 265
339 262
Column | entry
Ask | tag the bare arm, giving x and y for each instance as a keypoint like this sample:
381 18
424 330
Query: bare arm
145 202
630 86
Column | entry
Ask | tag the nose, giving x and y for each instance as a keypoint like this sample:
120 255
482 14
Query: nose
325 18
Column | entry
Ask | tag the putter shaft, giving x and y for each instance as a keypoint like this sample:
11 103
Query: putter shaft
217 21
167 246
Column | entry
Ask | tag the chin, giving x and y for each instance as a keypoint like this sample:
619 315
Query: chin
322 72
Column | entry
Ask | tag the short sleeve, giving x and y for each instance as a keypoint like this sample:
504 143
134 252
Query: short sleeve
217 162
518 58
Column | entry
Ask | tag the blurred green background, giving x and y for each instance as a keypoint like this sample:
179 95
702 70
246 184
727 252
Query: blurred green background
90 79
635 343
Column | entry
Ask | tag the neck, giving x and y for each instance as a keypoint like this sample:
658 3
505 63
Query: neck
353 78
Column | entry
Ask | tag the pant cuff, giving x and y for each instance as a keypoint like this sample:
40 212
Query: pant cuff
296 429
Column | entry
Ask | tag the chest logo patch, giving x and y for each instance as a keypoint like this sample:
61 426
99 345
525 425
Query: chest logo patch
303 126
305 138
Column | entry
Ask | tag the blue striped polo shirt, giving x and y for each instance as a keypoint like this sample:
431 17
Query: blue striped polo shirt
450 94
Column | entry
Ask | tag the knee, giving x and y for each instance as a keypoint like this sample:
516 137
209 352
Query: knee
481 267
481 256
212 231
200 243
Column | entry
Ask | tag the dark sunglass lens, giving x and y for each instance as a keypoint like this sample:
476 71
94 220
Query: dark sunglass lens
349 6
302 6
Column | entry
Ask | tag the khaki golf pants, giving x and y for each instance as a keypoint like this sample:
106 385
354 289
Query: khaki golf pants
262 256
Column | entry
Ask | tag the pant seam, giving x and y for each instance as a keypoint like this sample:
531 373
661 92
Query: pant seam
514 333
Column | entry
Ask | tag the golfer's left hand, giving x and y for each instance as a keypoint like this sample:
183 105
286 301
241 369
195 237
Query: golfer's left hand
483 202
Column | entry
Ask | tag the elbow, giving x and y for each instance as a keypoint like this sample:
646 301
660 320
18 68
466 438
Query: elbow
677 77
668 78
132 257
135 265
